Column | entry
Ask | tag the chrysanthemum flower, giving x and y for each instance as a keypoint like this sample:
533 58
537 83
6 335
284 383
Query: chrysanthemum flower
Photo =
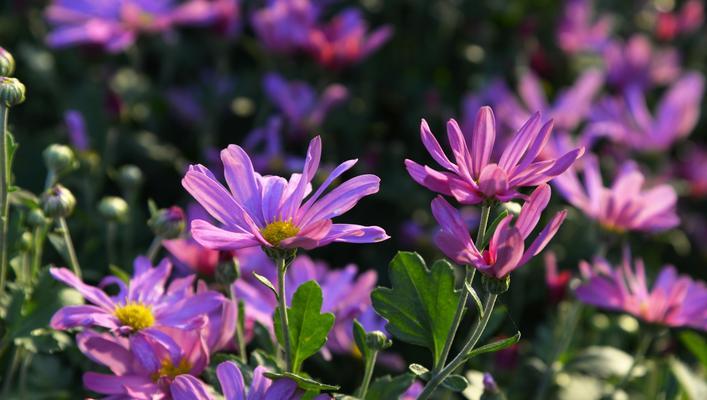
637 63
625 206
674 300
506 249
473 178
577 32
270 211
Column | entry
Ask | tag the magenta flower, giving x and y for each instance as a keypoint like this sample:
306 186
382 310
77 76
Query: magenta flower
674 300
142 306
506 248
687 20
474 179
76 127
270 211
283 26
624 206
141 368
224 15
628 121
345 40
637 63
302 107
578 33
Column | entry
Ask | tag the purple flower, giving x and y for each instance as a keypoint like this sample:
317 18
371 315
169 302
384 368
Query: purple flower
270 211
693 168
345 295
267 153
345 40
141 368
489 383
688 19
628 121
76 126
624 206
506 248
674 300
224 15
283 26
413 391
302 107
637 63
142 306
578 33
474 178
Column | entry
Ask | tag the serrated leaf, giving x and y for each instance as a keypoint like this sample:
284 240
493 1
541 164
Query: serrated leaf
456 383
265 281
475 297
696 344
303 382
421 304
387 387
419 370
307 326
495 346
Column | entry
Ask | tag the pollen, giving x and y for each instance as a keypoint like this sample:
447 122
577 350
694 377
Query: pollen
135 315
277 231
170 371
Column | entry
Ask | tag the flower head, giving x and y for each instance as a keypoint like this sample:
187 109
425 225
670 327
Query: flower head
76 127
264 144
674 300
637 63
506 248
578 33
624 206
270 211
283 26
556 281
474 178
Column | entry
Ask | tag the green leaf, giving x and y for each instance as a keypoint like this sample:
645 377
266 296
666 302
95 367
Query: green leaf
308 328
12 146
693 385
387 387
696 344
44 340
420 306
475 296
359 334
495 346
456 383
57 240
603 362
304 383
265 281
119 273
492 228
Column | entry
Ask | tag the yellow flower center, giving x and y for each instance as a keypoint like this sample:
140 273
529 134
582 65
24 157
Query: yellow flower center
171 371
611 227
277 231
135 315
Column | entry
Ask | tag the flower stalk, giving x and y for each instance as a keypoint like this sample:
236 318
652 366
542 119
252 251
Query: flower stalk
281 265
73 260
368 374
4 203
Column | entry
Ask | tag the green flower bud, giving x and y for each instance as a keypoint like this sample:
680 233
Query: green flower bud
378 341
7 63
26 241
494 285
228 270
12 91
59 158
36 218
130 177
113 208
167 223
58 202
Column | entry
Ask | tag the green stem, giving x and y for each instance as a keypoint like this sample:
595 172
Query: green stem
461 358
154 248
9 376
40 235
483 225
73 260
4 204
282 299
240 337
368 374
643 345
468 279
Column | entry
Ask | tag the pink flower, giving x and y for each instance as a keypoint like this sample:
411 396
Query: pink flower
637 63
506 249
577 32
474 178
556 281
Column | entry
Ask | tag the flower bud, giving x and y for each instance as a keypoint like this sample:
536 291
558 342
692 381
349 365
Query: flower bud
59 158
12 91
495 285
113 208
377 340
167 223
228 270
7 63
58 202
26 241
36 218
130 177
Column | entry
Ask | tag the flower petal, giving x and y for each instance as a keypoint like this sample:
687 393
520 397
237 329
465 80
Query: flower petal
544 237
340 200
520 142
216 238
242 180
530 213
482 139
433 147
90 293
187 387
231 380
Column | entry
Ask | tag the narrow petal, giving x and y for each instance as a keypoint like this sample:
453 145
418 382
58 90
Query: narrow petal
105 349
337 172
259 385
90 293
493 180
351 233
187 387
457 142
311 164
213 197
532 209
341 199
116 385
231 380
537 145
215 238
433 147
241 178
544 237
482 139
310 236
429 178
273 196
69 317
506 248
520 142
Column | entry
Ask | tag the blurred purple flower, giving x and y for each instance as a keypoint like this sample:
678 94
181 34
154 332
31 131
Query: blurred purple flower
345 295
628 121
206 96
555 281
264 144
283 26
269 211
141 368
693 168
506 249
413 391
489 383
577 32
303 109
674 300
637 63
345 40
76 127
624 206
224 15
474 178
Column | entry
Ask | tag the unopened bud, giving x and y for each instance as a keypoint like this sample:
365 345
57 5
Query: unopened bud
167 223
59 158
113 208
58 202
228 270
12 91
36 218
495 285
7 63
26 241
378 341
130 177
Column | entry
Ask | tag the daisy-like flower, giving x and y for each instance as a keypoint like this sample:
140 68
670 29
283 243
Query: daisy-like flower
674 300
271 212
638 63
142 306
474 178
577 32
624 206
76 128
506 249
264 144
283 26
